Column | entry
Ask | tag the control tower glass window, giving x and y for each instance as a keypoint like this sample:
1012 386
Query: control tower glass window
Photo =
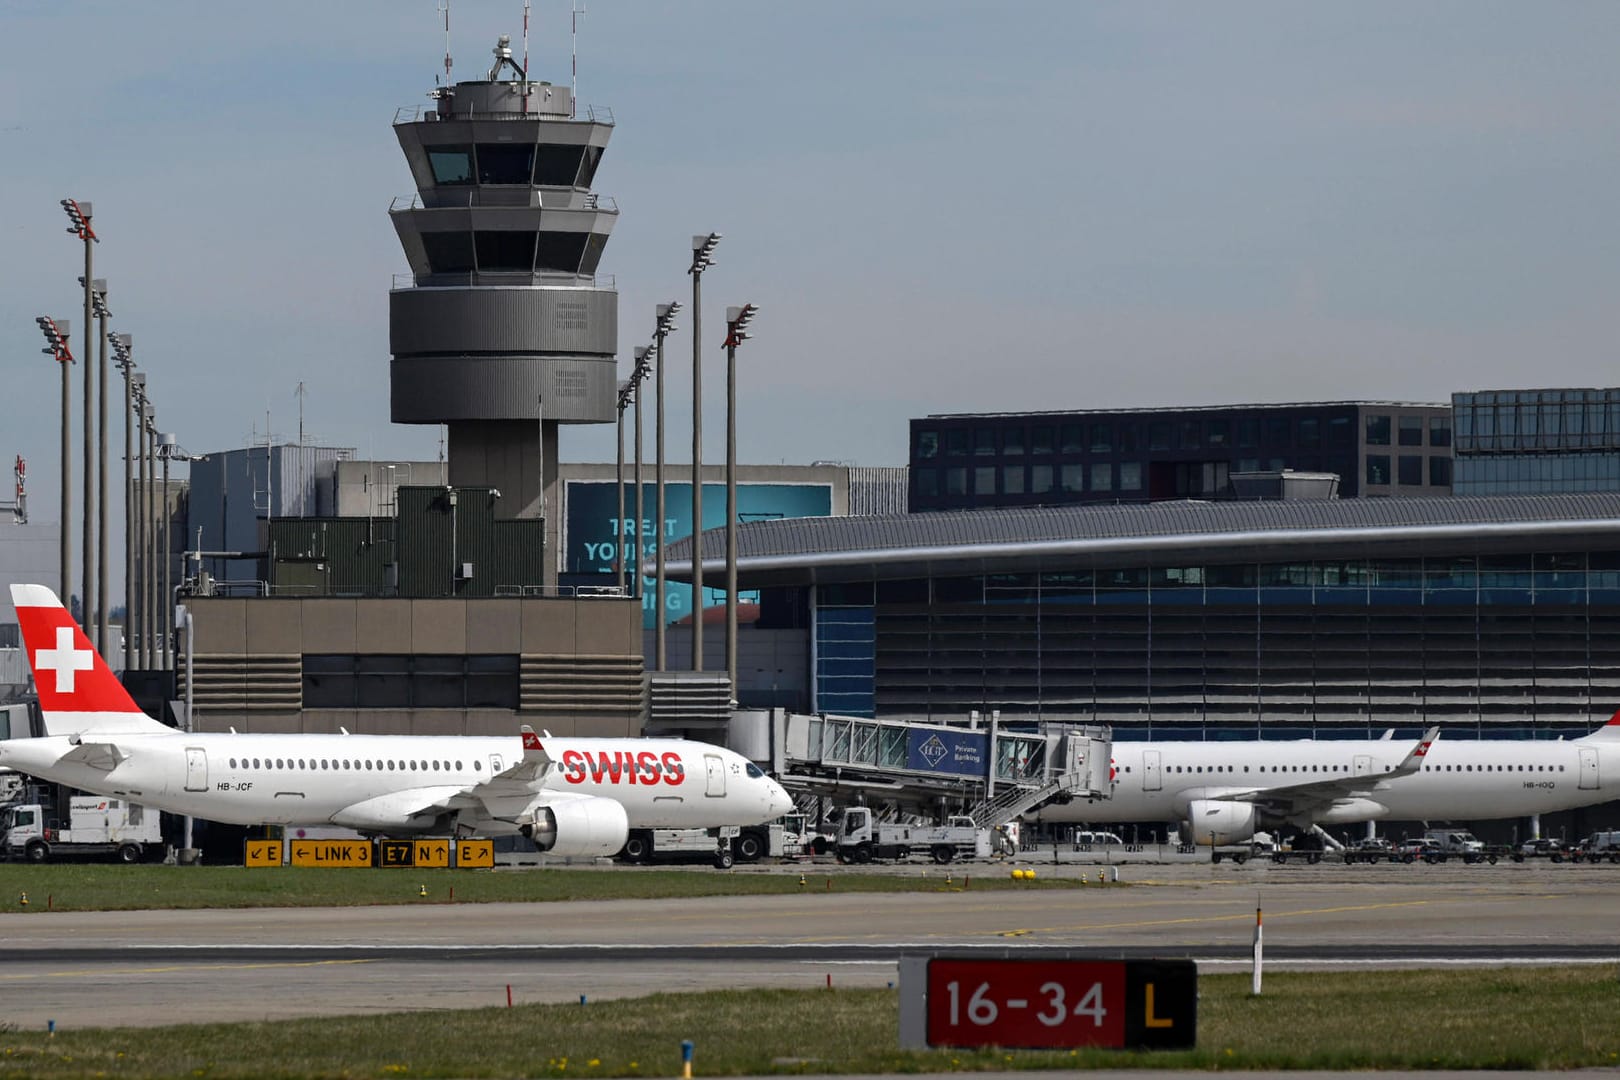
587 171
451 164
594 244
448 252
505 163
505 251
558 166
560 251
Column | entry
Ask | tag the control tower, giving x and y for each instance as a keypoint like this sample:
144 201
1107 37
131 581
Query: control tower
504 331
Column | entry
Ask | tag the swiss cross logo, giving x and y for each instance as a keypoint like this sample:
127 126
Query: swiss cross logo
65 660
933 751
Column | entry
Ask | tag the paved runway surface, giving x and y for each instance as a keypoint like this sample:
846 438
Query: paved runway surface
145 967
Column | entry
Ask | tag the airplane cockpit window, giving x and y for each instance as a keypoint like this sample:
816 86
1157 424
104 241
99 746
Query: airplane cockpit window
755 771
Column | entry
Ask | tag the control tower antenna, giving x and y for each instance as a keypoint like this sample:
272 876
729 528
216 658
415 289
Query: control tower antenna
300 394
525 57
444 10
575 10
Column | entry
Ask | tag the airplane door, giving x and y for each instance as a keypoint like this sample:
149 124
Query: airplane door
495 768
1150 771
716 770
1589 768
196 769
1363 764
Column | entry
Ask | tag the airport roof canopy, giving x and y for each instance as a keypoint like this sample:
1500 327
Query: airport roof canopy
810 550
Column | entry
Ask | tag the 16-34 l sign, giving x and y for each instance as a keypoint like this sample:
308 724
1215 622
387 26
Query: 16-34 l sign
1048 1003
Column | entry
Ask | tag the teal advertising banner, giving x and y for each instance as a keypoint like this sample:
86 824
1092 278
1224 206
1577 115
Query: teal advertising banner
594 535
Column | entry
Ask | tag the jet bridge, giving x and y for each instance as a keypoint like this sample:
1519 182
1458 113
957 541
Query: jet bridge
991 771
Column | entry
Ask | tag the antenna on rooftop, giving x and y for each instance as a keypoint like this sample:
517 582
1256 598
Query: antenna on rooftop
444 10
525 57
575 9
300 394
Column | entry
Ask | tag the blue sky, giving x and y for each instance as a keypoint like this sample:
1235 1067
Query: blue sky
939 207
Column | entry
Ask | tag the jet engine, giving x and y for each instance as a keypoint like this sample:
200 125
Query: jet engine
588 826
1227 822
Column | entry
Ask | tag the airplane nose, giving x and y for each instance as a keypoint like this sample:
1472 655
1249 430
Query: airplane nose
780 801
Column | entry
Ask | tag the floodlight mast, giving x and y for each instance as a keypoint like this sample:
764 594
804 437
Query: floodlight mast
639 376
737 320
626 391
664 327
103 314
79 216
56 333
702 258
123 345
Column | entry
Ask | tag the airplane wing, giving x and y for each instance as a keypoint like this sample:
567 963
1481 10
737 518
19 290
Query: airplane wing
504 795
105 756
1294 801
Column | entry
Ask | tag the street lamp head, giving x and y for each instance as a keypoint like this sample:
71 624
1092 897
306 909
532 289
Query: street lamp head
666 318
79 214
703 252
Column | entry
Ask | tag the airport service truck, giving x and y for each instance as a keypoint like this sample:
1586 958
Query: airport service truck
860 839
783 838
1440 845
95 826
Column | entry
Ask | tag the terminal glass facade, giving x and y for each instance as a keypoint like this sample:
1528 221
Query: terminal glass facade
1520 441
1518 644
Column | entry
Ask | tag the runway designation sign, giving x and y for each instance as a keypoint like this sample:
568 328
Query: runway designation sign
1048 1003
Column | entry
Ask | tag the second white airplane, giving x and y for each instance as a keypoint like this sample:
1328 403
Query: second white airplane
1223 792
570 796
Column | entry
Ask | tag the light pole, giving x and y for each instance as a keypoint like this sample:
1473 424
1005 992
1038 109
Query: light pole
102 313
666 324
643 368
626 388
79 215
702 258
56 333
149 540
737 320
122 347
165 608
137 616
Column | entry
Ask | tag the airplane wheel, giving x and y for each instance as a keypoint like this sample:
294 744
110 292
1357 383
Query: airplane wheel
748 847
129 853
723 860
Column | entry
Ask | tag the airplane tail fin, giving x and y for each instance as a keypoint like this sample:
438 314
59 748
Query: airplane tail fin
78 693
1413 762
1609 732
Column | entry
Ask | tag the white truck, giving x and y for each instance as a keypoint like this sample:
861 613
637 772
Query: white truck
1442 844
860 839
95 826
783 838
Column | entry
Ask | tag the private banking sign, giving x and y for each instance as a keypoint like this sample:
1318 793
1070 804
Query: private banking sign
595 537
947 753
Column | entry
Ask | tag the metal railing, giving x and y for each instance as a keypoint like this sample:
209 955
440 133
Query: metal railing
475 277
475 197
414 114
578 592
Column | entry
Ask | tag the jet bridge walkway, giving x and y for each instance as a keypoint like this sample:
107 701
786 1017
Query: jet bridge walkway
993 771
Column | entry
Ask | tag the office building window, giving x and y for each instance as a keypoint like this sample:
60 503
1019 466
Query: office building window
1191 434
1102 476
1248 432
1310 432
956 481
1339 433
1069 439
984 480
1040 441
1411 430
1040 479
1440 471
984 442
1411 470
1439 431
1012 479
1277 433
1102 438
1159 435
927 482
1377 468
1130 437
1377 431
1130 476
1219 432
927 445
1012 440
1072 479
956 442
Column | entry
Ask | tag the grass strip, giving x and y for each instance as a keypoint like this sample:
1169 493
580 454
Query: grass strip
1524 1018
89 887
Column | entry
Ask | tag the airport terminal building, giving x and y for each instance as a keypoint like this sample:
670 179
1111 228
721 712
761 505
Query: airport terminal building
1207 619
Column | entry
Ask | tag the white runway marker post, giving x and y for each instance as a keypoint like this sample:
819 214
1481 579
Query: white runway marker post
1258 949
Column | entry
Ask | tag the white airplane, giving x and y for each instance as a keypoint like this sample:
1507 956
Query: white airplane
1223 792
570 796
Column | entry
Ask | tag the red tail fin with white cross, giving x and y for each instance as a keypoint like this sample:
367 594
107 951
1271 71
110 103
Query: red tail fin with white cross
78 692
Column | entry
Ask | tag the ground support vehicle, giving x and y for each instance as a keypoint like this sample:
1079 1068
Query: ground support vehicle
1599 847
1376 851
1441 845
1551 850
718 845
95 826
860 839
